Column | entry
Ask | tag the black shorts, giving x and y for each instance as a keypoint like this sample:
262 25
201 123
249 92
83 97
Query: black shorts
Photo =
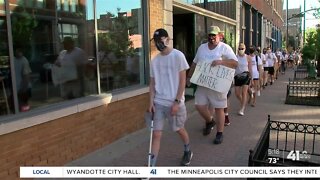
271 70
266 68
240 81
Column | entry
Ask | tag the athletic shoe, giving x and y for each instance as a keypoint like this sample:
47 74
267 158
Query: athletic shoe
209 126
258 93
187 156
218 139
226 121
241 113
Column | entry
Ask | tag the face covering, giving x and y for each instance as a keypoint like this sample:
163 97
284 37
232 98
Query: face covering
160 45
241 52
269 51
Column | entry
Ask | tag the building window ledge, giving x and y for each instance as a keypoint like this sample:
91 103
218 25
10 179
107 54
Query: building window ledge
42 115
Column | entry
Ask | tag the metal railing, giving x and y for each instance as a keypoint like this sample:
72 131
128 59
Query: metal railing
287 144
303 92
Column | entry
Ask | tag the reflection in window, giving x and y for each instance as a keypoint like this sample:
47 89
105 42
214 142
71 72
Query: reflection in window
223 7
67 5
5 77
199 3
120 43
42 43
31 3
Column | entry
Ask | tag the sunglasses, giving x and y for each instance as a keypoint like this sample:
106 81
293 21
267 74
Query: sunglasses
241 49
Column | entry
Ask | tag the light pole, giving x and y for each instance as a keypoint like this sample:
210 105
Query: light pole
304 21
287 31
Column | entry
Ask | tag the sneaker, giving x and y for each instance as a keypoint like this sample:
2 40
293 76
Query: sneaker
187 156
258 93
209 126
226 122
218 139
25 108
241 113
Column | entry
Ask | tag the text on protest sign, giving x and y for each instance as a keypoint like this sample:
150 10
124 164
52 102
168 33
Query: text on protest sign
218 78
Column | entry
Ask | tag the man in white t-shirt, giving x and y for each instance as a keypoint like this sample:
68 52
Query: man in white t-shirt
167 85
75 61
218 53
272 60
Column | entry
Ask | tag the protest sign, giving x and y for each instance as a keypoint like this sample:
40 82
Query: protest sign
218 78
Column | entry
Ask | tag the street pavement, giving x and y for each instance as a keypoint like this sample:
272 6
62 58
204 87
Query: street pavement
241 136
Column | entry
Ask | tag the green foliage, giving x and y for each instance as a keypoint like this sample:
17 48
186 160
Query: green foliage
311 49
117 40
23 24
308 50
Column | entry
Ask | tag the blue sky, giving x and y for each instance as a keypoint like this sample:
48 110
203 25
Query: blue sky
111 5
310 19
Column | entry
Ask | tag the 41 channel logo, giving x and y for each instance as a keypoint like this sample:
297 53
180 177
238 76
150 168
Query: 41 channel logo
296 155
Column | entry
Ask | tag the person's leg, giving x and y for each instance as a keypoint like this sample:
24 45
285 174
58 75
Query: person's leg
207 116
265 77
158 124
177 123
244 92
255 86
271 75
220 119
156 139
237 91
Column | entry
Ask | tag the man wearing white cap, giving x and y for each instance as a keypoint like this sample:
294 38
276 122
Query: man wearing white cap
218 53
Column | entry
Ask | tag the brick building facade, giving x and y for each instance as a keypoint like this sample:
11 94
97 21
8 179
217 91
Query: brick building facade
56 132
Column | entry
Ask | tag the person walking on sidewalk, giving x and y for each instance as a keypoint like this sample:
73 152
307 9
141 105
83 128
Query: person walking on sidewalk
271 59
167 85
255 68
242 77
265 67
217 53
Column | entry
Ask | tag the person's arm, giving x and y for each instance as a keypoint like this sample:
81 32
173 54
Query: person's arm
229 59
250 65
182 84
231 63
181 87
274 60
152 94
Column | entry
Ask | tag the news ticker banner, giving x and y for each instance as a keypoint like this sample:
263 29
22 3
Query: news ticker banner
169 172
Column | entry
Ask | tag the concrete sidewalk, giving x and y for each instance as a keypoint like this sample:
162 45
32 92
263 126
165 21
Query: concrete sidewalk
241 136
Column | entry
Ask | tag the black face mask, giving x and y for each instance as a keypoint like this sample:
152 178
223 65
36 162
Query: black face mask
264 52
160 45
251 51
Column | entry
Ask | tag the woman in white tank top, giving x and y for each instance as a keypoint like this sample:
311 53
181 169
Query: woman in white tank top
241 86
256 67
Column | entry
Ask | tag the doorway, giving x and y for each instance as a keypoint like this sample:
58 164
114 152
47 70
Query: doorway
183 33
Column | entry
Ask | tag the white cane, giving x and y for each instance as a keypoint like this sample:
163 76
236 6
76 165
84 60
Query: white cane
149 120
150 143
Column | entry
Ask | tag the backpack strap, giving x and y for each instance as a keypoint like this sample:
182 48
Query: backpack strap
257 63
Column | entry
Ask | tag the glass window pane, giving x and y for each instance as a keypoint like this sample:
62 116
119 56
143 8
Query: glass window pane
41 42
6 93
120 32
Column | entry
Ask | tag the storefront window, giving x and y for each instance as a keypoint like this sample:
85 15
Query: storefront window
120 37
224 7
230 36
200 30
6 95
55 54
199 3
